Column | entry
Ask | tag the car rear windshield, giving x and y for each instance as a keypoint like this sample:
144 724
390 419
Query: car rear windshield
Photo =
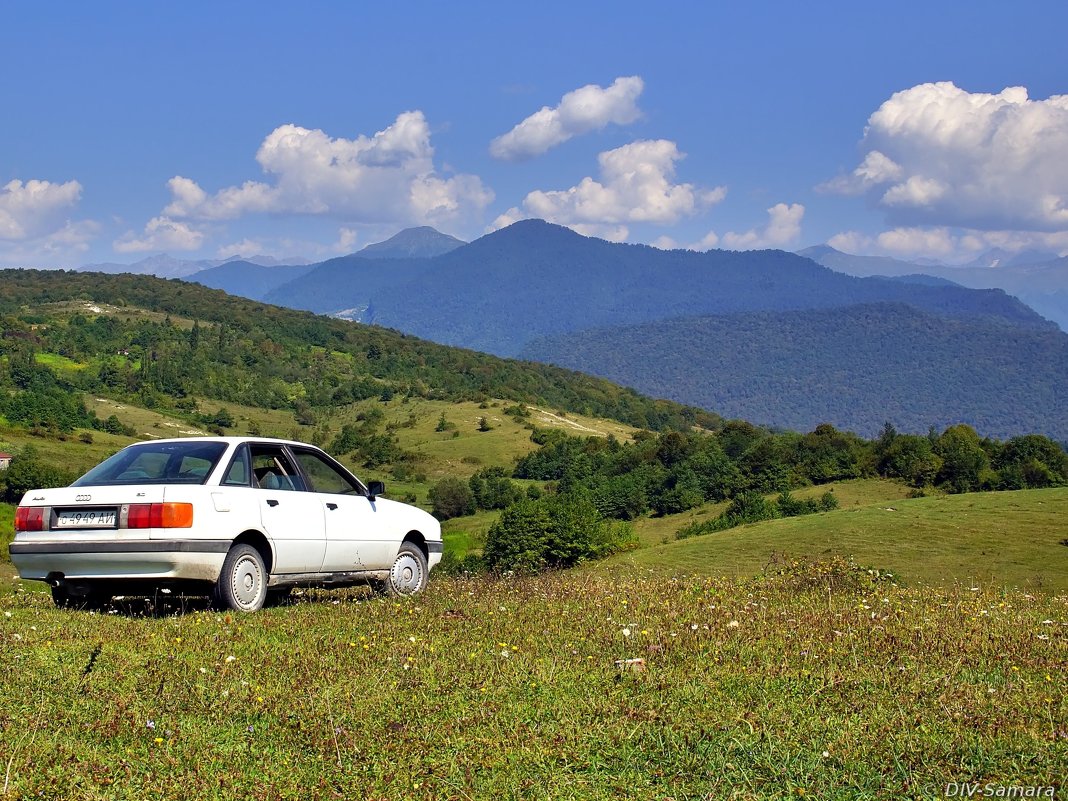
156 463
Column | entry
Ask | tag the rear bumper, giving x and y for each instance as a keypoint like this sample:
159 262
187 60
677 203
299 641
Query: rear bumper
192 560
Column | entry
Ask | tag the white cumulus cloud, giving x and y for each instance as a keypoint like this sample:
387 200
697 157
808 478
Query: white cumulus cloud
35 208
160 234
586 109
389 177
783 229
35 225
636 186
945 243
937 155
246 247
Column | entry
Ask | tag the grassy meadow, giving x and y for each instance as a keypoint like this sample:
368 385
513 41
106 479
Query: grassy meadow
503 689
997 538
763 661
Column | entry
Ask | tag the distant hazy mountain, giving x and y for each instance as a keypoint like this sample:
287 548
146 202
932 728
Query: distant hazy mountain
534 279
256 279
855 367
412 243
1039 279
164 266
247 279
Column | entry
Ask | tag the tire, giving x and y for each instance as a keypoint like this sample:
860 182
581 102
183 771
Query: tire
242 585
409 573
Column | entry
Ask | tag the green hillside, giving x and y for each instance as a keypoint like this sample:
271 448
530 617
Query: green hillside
1003 539
157 342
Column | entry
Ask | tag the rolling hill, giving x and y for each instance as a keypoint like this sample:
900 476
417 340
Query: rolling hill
856 367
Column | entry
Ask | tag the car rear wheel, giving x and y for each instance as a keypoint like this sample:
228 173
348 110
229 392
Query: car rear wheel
242 585
409 572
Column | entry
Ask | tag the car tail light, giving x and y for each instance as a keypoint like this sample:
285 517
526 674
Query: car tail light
160 515
29 518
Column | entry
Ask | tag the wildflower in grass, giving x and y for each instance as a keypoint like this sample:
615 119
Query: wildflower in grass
733 624
7 614
626 632
151 724
159 741
231 658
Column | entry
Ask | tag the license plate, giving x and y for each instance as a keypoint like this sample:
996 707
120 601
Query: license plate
86 518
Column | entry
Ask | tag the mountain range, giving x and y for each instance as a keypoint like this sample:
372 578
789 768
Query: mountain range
779 338
164 266
1039 279
534 279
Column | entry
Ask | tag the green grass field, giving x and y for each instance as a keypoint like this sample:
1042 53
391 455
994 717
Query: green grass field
768 667
1011 538
508 689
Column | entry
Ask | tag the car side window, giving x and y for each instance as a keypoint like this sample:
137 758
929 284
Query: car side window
324 476
272 469
237 474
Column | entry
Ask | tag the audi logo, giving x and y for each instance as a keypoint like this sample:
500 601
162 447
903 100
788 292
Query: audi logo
83 497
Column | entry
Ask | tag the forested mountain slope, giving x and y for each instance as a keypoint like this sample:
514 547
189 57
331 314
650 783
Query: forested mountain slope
855 368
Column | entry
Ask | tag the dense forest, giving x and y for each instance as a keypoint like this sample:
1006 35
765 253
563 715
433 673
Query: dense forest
856 367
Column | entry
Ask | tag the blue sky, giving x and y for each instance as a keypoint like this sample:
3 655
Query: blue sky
207 130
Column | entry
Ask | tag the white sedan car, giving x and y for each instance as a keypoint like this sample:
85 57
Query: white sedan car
239 517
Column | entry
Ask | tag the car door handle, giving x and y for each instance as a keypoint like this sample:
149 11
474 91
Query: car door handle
272 502
331 506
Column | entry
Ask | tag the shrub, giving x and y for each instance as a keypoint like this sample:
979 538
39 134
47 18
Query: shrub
451 497
552 532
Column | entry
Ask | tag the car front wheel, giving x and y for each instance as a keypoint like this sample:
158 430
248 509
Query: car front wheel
242 585
409 572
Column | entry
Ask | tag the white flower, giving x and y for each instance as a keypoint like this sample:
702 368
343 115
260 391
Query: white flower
626 632
231 658
733 624
7 614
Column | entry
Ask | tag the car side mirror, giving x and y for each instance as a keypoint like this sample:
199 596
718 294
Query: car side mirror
375 488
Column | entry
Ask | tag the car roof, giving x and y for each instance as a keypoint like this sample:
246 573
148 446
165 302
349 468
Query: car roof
227 441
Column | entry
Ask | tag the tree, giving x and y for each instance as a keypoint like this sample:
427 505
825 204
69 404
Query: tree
911 458
27 472
517 540
483 424
451 497
1031 461
963 459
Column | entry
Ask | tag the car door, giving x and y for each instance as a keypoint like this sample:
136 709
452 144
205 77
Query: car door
291 516
353 540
